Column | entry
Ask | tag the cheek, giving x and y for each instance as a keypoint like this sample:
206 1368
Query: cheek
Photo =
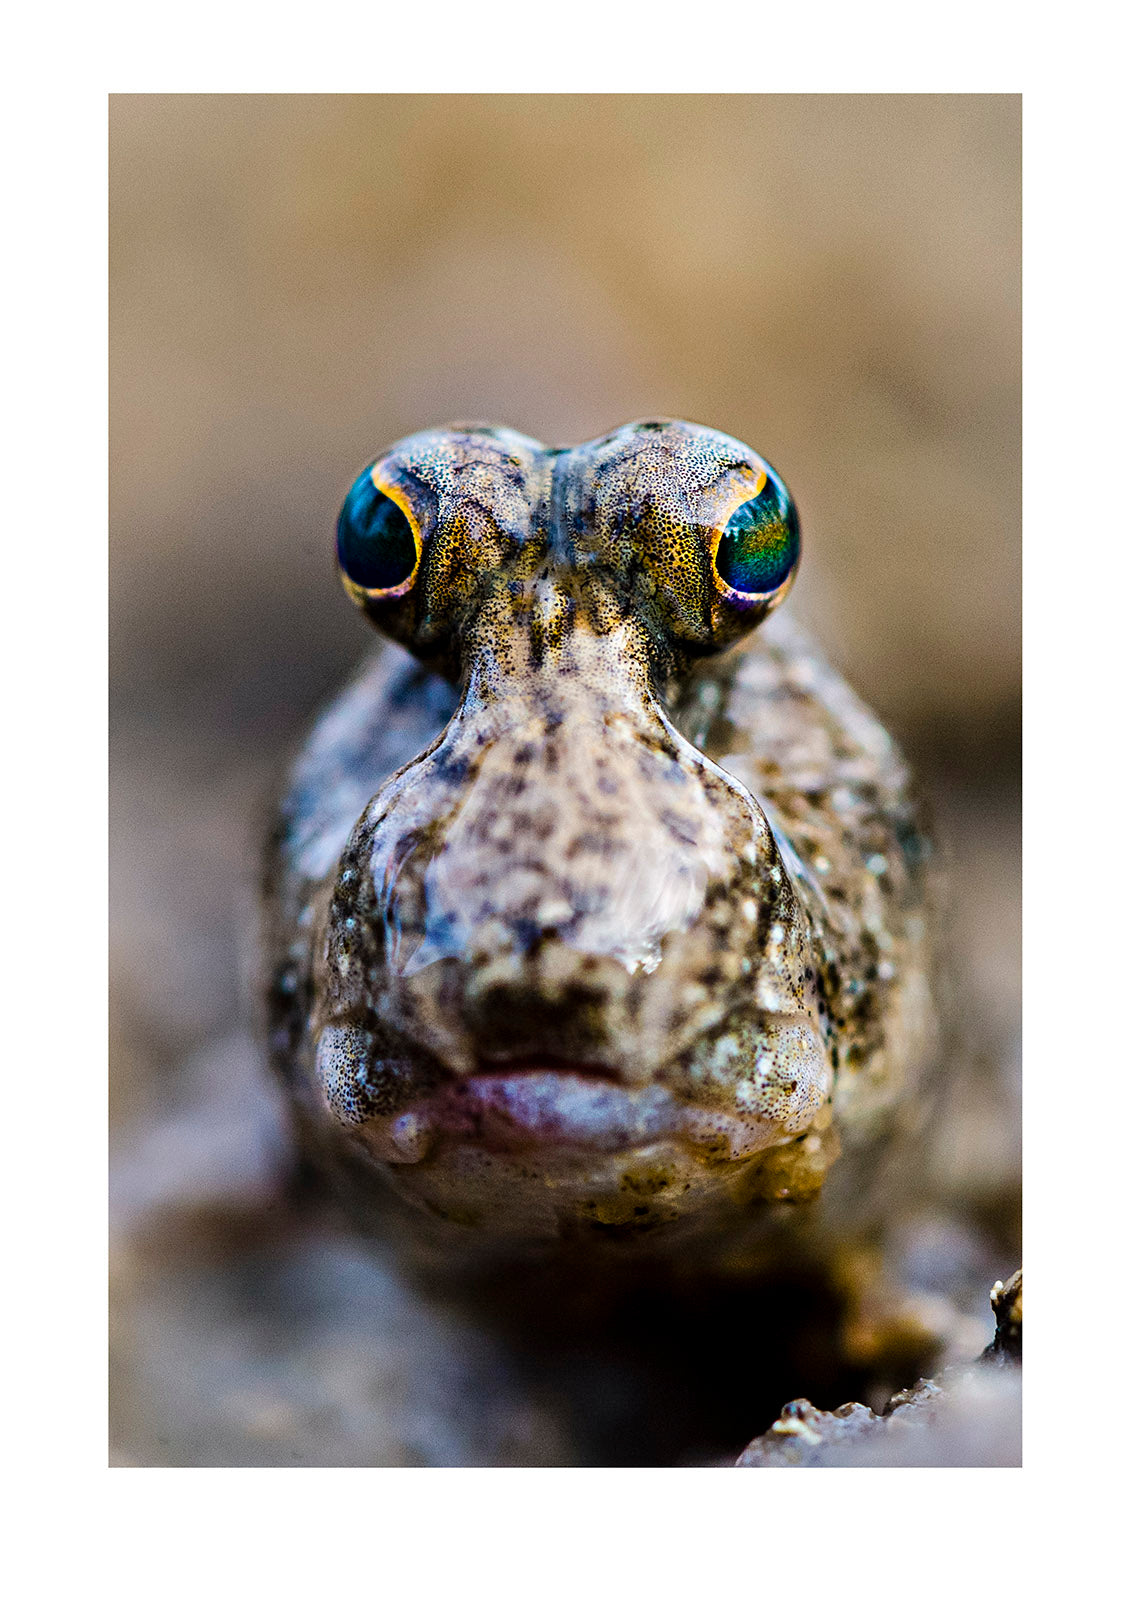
341 1067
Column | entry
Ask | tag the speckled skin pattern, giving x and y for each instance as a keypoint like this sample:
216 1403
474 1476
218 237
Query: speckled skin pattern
584 920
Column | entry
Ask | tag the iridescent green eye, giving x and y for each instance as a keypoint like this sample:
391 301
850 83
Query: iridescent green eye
759 546
378 550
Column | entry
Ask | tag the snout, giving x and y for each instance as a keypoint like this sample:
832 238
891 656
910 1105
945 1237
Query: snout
587 885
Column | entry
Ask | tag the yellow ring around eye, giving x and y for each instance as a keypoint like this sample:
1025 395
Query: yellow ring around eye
742 493
393 491
755 549
397 495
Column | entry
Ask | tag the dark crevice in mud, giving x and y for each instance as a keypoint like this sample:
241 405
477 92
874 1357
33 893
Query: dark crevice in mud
660 1380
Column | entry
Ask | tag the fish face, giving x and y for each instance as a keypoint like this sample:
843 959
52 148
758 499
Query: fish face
563 965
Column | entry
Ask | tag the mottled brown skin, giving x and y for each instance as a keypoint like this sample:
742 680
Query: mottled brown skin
588 924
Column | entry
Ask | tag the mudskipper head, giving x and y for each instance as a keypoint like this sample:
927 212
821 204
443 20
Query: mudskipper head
564 981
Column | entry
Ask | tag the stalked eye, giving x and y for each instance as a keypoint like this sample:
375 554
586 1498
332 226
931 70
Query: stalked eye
760 544
378 547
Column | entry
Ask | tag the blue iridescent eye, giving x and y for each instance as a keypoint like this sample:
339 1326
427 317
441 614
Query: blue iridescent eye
377 549
760 544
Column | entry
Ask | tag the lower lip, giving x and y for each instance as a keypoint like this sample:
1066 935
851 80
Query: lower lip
559 1109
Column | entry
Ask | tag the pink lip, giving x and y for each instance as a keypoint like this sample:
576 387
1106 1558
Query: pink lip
534 1103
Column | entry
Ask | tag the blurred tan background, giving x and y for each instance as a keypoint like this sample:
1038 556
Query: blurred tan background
297 281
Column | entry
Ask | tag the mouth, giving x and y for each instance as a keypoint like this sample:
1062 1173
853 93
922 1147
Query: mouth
541 1104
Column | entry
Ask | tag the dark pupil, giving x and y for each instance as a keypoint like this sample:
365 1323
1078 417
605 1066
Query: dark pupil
760 543
376 549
